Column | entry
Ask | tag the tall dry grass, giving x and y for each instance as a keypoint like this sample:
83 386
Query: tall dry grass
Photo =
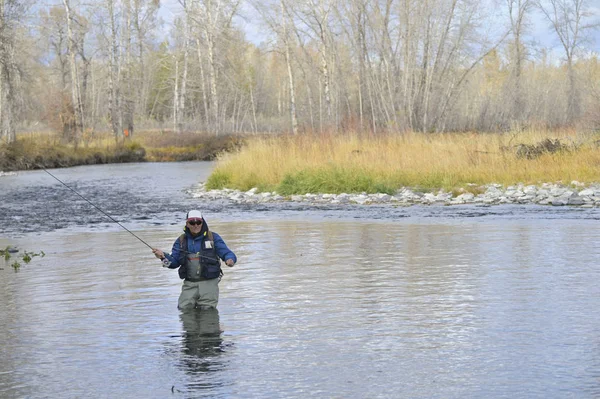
355 163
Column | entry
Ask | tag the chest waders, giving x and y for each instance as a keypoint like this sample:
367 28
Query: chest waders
199 266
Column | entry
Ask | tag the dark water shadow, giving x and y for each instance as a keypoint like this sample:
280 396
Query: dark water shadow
202 350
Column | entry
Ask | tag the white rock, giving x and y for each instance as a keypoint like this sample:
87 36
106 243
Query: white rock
586 193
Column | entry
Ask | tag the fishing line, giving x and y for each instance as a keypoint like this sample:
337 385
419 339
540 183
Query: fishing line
107 215
92 204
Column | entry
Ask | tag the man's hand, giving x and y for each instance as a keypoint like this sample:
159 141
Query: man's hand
158 253
230 262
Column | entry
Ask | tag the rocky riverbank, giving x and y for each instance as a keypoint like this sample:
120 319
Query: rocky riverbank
575 194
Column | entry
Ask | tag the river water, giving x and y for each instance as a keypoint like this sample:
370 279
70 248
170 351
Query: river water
328 301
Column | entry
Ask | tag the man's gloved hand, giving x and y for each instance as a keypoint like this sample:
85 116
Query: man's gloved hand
230 262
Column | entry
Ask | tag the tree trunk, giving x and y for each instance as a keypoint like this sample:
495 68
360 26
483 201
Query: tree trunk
176 102
7 80
75 98
288 61
573 94
184 75
326 82
202 81
113 81
253 105
214 94
128 101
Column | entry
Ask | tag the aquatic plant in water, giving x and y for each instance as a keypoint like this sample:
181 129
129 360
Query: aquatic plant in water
26 257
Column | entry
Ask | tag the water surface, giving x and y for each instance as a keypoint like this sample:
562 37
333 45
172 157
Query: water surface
348 301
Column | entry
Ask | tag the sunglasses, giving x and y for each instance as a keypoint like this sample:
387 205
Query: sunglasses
195 222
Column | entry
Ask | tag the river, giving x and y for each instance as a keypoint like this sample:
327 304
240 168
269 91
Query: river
325 301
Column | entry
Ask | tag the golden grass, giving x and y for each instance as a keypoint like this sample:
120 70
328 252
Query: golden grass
386 163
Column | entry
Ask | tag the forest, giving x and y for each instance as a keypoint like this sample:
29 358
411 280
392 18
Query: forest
380 66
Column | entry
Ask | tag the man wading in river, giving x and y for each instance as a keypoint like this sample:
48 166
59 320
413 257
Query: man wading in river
197 253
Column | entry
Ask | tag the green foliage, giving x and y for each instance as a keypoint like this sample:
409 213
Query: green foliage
27 257
5 253
133 146
218 180
332 180
434 181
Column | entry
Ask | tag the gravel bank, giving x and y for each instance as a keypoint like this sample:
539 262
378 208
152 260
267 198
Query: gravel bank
574 194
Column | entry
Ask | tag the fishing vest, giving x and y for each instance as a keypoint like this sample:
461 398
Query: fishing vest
203 265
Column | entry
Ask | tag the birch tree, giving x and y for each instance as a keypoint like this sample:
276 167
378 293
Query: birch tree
181 89
285 37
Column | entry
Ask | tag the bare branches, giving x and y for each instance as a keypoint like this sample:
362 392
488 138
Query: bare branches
386 65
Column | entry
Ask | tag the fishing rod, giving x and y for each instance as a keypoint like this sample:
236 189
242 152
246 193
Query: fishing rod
107 215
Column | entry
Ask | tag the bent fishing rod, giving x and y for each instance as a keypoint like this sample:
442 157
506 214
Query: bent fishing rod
106 214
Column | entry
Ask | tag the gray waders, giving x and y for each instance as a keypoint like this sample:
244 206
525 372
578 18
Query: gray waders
198 292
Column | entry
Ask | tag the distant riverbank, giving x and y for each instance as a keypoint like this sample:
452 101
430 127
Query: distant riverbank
34 151
541 167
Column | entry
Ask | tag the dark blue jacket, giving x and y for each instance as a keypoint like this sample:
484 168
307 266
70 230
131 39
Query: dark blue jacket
194 245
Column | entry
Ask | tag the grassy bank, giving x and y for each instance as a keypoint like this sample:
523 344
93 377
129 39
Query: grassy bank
30 151
453 162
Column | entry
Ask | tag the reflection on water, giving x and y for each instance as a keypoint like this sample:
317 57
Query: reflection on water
202 347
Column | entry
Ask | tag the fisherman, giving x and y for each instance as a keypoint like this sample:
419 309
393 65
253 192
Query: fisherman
198 254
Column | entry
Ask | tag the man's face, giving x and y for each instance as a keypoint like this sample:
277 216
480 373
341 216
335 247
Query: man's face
194 225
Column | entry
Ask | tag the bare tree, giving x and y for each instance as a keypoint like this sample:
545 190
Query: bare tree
518 10
143 21
356 13
281 25
385 65
315 16
80 34
126 82
202 77
76 103
12 13
285 37
569 20
114 102
181 90
214 18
